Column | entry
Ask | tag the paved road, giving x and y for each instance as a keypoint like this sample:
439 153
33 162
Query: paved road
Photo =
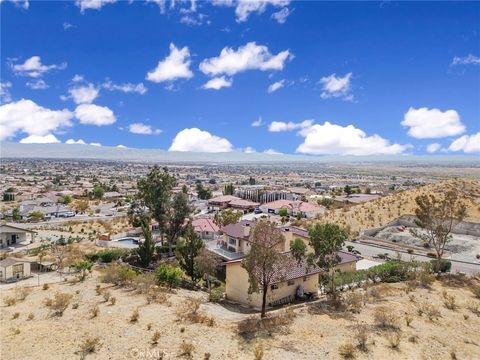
368 251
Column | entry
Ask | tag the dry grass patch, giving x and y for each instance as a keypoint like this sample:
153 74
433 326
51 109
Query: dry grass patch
190 312
449 301
431 311
253 326
385 319
186 350
347 351
59 303
89 346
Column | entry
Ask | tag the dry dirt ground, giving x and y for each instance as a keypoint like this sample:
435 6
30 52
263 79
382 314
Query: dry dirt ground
313 334
379 212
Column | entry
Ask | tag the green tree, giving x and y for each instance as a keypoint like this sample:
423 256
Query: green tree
67 199
348 190
327 240
156 191
188 248
98 191
229 189
84 266
251 181
176 214
437 216
227 216
16 214
298 249
265 263
139 217
36 216
327 202
206 264
203 193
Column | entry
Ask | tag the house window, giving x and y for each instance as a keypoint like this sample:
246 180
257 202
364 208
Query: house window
232 241
291 282
18 271
274 287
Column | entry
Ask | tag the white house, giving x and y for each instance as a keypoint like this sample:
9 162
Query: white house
13 234
12 269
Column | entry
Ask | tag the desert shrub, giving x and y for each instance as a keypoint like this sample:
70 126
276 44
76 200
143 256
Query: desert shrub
119 275
94 311
429 310
360 335
98 289
393 338
258 352
22 293
354 302
59 303
441 265
474 307
45 287
169 275
374 293
149 326
10 301
385 318
107 255
413 339
75 306
217 294
15 331
155 337
449 301
207 356
476 291
15 315
135 315
190 312
186 349
408 319
426 279
156 295
106 295
347 351
252 325
89 346
30 316
113 300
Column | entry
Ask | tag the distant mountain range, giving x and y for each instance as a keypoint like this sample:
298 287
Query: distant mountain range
76 151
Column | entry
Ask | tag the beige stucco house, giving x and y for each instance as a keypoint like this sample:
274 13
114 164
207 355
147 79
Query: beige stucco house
12 269
13 234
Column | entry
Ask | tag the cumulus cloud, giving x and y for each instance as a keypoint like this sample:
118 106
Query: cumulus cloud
92 4
28 117
258 122
197 140
272 152
248 57
38 139
246 7
37 85
5 95
218 83
469 144
466 60
282 15
143 129
126 87
336 86
24 4
95 144
72 141
425 123
279 126
84 94
344 140
276 86
67 25
34 68
249 150
121 146
175 66
78 78
90 114
432 148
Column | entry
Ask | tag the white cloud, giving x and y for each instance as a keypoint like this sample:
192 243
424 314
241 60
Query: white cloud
279 126
37 85
67 25
95 144
432 148
143 129
92 4
28 117
90 114
248 57
77 78
258 122
276 86
467 143
24 4
175 66
194 20
425 123
121 146
84 94
5 95
272 152
196 140
246 7
344 140
34 68
281 16
249 150
160 3
72 141
218 83
38 139
466 60
126 87
334 86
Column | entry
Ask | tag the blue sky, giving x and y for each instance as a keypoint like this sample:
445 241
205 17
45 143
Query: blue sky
344 78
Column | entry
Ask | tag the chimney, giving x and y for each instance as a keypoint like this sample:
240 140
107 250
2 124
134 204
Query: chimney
246 230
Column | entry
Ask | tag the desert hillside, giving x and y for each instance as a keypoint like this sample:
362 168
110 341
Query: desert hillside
428 320
379 212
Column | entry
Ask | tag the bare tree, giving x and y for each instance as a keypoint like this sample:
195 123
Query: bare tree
437 216
265 262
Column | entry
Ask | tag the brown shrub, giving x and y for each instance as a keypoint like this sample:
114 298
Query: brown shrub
59 303
385 318
258 352
354 302
135 315
347 351
89 346
155 337
22 293
186 349
429 310
113 300
393 338
476 291
474 307
31 316
249 327
408 319
449 301
10 301
190 312
94 311
360 335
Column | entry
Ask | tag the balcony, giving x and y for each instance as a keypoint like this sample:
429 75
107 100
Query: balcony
221 249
